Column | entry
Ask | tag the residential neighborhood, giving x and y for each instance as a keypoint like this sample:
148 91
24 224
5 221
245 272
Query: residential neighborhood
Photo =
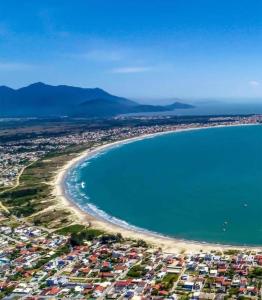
15 155
40 264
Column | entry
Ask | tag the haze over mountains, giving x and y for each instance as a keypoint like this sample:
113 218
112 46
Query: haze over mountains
42 100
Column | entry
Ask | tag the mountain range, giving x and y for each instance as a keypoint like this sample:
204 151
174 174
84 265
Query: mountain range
42 100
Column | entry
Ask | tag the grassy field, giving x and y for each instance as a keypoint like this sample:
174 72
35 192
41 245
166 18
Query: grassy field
33 198
77 228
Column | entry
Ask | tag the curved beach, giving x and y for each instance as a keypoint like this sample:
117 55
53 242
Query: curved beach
167 243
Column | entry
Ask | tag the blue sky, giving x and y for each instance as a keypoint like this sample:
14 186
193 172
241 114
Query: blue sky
150 49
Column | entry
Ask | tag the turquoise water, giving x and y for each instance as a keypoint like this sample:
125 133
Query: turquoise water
203 185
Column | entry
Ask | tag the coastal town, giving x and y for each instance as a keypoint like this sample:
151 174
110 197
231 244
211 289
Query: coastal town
15 155
131 150
81 263
77 261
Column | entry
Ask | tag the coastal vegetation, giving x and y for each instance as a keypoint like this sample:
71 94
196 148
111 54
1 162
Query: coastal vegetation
256 273
79 234
168 280
71 229
137 271
33 198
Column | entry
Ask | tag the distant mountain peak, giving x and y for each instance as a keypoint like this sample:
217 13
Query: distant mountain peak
36 84
40 99
180 105
7 88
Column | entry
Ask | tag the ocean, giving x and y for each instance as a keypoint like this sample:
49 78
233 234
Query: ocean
202 185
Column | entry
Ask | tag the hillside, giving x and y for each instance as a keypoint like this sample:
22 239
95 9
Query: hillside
40 99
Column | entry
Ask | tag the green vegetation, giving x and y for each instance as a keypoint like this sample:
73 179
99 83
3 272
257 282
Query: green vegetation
230 273
79 237
231 252
80 233
256 273
111 238
59 252
15 254
233 291
141 243
185 297
86 234
34 196
136 271
2 188
243 298
6 291
75 228
169 280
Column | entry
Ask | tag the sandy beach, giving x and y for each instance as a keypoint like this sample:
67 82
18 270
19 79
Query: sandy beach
168 244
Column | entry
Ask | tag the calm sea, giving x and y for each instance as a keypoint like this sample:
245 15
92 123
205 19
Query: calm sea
203 185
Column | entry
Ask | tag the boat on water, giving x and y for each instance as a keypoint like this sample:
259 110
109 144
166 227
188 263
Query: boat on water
82 184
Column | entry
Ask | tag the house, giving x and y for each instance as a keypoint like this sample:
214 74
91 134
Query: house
99 289
188 285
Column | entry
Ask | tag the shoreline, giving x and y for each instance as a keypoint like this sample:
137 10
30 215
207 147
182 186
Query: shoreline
168 244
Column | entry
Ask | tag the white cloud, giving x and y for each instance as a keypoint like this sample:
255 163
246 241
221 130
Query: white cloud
14 66
254 83
128 70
